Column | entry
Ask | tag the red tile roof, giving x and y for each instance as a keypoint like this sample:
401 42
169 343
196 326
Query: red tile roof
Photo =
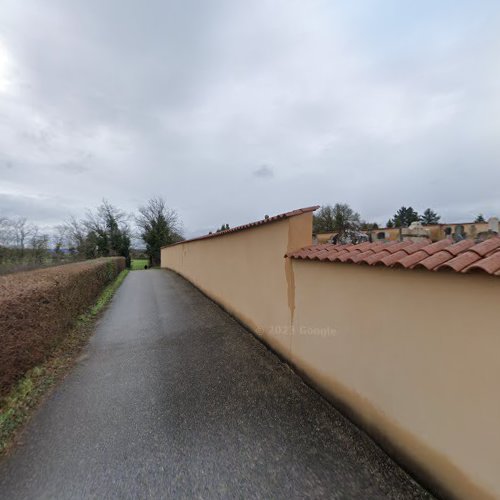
464 257
268 220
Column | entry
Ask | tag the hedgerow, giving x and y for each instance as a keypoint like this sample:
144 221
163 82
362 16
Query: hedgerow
38 308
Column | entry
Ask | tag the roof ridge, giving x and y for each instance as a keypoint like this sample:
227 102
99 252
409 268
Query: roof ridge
249 225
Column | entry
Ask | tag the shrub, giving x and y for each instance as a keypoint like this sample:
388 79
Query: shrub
37 308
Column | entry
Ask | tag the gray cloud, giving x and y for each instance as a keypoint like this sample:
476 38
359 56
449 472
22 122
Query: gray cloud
264 172
380 106
47 209
73 168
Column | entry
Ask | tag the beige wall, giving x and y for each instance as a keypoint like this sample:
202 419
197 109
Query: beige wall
246 273
414 356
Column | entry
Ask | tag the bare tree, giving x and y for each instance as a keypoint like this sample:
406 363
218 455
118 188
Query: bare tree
5 231
108 227
22 230
73 235
39 243
340 219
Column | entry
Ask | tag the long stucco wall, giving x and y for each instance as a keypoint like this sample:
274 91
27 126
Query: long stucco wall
413 356
246 273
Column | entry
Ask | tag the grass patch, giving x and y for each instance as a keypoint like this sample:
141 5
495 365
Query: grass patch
138 264
17 406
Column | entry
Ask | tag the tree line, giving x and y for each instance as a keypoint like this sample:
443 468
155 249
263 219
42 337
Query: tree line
406 215
21 242
103 232
348 224
109 231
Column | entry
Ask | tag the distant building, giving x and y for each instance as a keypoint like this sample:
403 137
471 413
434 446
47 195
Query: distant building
435 232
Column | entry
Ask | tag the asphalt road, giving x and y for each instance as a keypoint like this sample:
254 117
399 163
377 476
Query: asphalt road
173 398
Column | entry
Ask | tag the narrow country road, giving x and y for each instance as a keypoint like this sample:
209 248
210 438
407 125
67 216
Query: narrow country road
173 398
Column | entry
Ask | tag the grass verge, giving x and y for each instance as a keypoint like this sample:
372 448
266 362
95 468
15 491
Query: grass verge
16 408
138 264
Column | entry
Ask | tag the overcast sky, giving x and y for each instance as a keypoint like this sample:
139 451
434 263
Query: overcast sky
235 109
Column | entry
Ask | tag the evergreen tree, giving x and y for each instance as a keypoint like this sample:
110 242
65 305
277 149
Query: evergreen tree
405 216
429 217
108 233
159 226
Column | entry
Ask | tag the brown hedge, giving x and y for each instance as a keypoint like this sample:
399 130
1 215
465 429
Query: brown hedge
37 308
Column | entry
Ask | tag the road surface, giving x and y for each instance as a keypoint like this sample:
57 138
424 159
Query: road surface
173 398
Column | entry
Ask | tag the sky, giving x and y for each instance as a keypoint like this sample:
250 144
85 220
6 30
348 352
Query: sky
232 110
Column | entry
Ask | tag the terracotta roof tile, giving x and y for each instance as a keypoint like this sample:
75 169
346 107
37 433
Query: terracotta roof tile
336 255
303 254
464 256
349 255
450 250
363 246
361 256
490 264
413 259
377 257
415 247
393 247
460 262
485 247
393 258
437 247
435 260
460 247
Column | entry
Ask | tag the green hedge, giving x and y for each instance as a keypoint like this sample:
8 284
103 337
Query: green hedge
38 308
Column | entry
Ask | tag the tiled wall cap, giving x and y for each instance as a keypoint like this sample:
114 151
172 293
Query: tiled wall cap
462 257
